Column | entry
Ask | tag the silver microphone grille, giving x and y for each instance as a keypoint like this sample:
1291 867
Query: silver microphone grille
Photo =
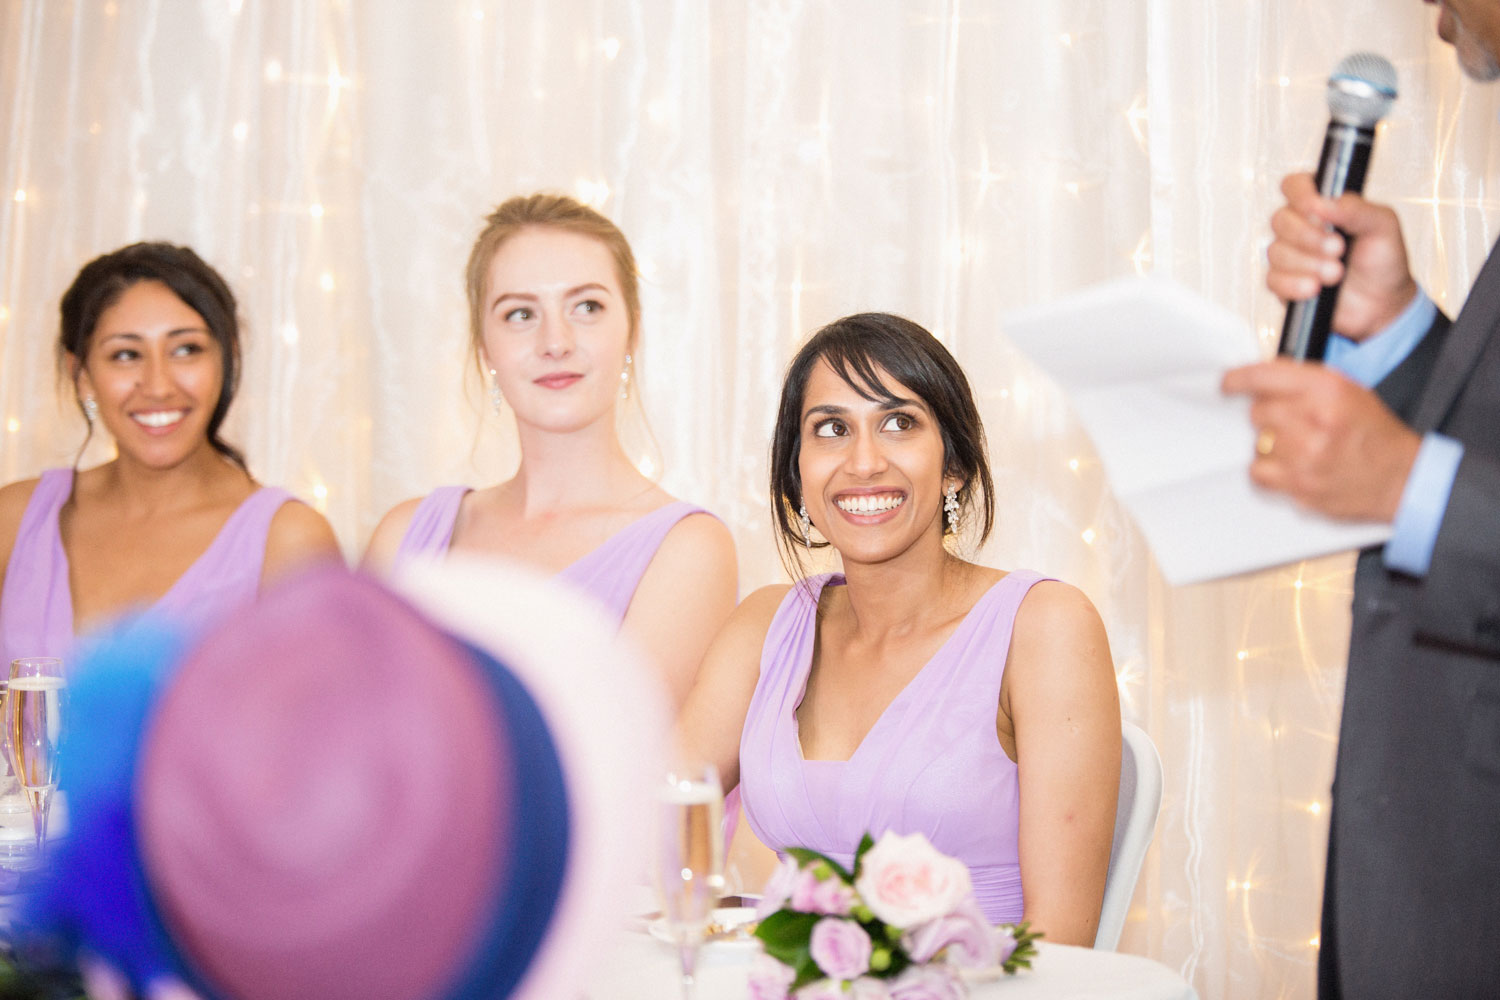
1361 89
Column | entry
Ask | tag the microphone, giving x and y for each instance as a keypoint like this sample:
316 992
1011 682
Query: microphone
1360 92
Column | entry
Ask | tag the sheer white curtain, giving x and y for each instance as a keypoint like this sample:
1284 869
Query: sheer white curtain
776 163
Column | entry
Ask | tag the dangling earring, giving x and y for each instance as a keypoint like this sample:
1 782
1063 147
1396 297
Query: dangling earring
90 408
625 379
496 399
950 507
805 523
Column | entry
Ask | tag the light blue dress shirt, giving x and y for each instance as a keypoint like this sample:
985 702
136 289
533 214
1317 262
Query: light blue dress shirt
1425 498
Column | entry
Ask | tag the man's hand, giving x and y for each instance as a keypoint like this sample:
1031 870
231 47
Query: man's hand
1326 441
1305 255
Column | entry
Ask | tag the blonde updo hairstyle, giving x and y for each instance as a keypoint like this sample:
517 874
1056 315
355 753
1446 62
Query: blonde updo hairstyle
547 211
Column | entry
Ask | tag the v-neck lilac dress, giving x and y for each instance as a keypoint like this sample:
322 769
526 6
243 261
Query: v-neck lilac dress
931 763
36 606
609 574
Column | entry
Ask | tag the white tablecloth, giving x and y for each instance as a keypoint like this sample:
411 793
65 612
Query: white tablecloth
644 968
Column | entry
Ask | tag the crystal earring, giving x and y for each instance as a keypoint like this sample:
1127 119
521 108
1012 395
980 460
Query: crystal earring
805 523
497 400
625 379
950 507
90 408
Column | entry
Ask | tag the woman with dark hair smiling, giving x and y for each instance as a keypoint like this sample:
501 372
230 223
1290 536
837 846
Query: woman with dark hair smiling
915 691
150 341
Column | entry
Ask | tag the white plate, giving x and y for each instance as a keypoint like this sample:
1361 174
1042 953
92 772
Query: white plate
726 918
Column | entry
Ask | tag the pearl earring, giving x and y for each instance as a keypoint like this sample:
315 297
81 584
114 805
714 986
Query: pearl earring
90 408
950 507
805 523
497 400
625 379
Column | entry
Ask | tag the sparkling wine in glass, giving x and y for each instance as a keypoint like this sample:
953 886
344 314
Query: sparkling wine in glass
33 711
689 864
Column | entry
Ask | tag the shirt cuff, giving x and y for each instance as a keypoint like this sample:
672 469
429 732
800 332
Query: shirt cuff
1423 503
1375 357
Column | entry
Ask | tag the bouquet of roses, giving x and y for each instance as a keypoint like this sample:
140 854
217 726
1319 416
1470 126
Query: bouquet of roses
898 927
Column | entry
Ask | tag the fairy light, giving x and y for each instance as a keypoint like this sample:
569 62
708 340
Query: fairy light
289 334
20 196
326 281
13 425
1066 39
1137 118
315 210
4 314
1140 257
610 47
1088 536
320 493
111 9
479 13
241 131
274 71
95 128
1315 807
1242 655
590 192
1315 941
1248 173
1073 464
1283 81
1072 188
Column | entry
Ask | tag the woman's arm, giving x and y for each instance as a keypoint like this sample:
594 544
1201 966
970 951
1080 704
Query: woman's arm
683 600
13 501
298 536
380 554
1060 699
713 716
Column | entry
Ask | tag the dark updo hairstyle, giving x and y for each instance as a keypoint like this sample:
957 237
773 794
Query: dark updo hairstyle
104 279
865 350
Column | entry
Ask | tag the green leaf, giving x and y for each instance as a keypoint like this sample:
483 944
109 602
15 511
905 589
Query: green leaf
807 972
806 857
785 934
865 843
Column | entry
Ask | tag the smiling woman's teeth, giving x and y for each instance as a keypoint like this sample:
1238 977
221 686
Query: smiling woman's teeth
870 504
160 418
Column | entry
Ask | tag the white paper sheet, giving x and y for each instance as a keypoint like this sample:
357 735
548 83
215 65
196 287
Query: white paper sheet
1140 361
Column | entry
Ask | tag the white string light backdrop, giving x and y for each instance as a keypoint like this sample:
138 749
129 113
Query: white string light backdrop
776 163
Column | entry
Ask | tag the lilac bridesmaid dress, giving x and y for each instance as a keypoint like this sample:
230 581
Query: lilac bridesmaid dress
931 762
609 574
36 606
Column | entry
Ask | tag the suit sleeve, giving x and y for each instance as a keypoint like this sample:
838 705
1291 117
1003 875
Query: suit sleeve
1458 600
1460 595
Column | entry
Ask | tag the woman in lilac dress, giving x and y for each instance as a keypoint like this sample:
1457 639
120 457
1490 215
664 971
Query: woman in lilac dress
150 343
554 312
914 691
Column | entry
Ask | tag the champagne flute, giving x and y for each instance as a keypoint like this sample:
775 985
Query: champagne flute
689 862
33 712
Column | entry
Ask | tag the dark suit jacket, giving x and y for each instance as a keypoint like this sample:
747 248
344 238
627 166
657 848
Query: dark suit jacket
1412 896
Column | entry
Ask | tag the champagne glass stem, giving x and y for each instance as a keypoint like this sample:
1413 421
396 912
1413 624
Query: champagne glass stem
687 954
41 806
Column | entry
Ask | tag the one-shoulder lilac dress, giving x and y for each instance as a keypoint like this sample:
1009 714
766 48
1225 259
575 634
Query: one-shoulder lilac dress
932 762
609 574
36 606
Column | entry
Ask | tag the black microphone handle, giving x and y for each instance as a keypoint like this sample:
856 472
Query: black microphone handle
1341 169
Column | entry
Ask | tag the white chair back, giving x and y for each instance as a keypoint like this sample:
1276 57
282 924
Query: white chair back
1135 823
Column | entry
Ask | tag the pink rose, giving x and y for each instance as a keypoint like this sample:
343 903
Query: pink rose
823 989
769 978
778 889
905 881
867 988
928 982
968 936
840 947
831 895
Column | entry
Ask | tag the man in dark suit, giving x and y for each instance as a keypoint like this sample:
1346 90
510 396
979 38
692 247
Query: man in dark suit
1411 902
